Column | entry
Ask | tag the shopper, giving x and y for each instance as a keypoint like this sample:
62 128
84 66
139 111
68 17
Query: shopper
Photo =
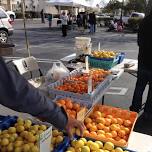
50 17
92 22
64 19
42 16
144 74
16 93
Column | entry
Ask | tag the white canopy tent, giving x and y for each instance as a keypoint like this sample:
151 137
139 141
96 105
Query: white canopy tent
73 3
77 3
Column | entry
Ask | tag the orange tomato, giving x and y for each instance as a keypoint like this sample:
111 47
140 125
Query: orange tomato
117 138
93 134
88 126
109 116
127 123
114 121
69 105
107 121
76 107
86 133
108 135
97 114
101 120
106 129
61 101
100 132
100 126
93 128
114 134
119 121
88 120
122 142
121 133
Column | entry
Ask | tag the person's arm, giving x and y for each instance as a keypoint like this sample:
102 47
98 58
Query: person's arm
17 94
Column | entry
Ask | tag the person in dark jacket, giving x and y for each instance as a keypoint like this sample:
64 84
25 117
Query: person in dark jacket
144 74
92 22
42 16
17 94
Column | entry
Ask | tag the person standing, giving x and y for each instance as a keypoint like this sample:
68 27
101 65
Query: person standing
50 16
42 16
64 19
92 22
144 74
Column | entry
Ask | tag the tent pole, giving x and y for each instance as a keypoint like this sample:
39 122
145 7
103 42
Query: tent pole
25 30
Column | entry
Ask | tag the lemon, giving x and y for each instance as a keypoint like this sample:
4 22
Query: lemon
79 144
100 144
4 142
59 139
34 149
118 149
109 146
55 133
12 130
71 149
26 148
10 147
18 149
18 143
94 146
85 149
20 121
42 127
20 128
84 140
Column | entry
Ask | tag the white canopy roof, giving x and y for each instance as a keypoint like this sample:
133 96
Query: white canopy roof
68 2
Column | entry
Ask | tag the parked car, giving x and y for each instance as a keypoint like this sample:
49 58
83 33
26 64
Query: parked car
11 14
6 29
132 15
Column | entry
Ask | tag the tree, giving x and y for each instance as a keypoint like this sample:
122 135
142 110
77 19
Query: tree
135 5
113 5
149 7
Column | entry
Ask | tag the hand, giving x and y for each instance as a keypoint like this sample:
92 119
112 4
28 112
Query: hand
73 123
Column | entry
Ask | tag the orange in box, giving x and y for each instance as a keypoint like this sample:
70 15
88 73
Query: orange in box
112 124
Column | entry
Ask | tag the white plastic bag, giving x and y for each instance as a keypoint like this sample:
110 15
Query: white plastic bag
57 72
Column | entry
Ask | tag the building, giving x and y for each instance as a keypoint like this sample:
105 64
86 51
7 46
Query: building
30 5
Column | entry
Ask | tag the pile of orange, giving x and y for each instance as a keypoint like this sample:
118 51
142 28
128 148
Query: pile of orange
70 107
106 126
79 83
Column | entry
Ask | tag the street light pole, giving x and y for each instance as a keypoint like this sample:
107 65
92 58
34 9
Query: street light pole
121 11
25 30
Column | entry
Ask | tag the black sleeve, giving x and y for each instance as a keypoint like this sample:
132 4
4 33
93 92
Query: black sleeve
16 93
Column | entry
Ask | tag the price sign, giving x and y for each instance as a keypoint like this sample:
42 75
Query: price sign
45 140
90 85
87 64
81 114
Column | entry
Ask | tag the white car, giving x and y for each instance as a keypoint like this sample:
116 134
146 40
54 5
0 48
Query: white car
6 29
11 14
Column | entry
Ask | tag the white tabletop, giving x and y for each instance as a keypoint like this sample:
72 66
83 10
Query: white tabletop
140 142
132 69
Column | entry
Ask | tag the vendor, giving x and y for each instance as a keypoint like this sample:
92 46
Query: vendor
16 93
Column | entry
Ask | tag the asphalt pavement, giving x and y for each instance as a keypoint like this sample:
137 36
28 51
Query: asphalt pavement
48 43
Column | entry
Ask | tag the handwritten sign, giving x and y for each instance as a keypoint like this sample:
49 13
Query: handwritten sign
81 114
90 85
45 140
87 64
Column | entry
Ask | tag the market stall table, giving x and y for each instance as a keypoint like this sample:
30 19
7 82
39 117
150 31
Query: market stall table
140 142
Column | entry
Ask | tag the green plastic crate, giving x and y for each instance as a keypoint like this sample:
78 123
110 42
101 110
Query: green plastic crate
103 63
